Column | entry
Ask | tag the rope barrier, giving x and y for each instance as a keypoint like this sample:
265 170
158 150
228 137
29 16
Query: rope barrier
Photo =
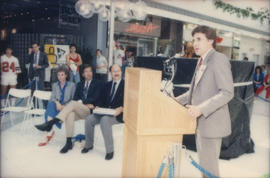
196 165
264 99
239 84
169 161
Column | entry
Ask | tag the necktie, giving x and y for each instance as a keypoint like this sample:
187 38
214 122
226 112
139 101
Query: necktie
85 90
35 58
200 63
112 91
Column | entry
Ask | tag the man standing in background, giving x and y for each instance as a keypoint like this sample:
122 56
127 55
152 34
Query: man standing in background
207 99
38 63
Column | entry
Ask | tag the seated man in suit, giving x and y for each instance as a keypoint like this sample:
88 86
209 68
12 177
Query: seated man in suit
85 98
112 97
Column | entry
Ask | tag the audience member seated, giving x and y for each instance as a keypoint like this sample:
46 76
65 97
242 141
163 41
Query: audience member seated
85 99
258 78
112 97
266 85
62 93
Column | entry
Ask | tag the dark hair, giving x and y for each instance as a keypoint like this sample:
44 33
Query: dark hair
110 68
99 50
258 67
210 33
62 68
85 66
72 45
245 58
8 47
33 43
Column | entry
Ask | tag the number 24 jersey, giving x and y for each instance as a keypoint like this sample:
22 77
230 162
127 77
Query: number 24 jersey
9 66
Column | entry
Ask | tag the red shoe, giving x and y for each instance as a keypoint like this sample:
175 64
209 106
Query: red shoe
48 140
50 137
42 144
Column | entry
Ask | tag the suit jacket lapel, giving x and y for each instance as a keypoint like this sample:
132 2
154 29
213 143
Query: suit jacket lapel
117 91
90 86
202 69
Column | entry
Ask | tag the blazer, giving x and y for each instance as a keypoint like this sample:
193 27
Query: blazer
117 101
43 62
211 92
261 78
94 92
69 92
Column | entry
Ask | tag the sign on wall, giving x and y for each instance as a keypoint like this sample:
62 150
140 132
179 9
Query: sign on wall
56 55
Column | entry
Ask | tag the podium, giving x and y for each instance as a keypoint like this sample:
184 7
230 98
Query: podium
153 122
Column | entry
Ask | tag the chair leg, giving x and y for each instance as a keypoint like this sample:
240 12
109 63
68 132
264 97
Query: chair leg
23 123
11 118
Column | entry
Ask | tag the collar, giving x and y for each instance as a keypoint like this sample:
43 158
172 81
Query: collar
205 54
37 53
117 82
89 82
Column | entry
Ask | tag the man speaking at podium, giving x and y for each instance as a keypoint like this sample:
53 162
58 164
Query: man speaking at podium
207 99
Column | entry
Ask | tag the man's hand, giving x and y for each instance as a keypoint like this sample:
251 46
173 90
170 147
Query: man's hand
118 111
37 66
194 111
90 106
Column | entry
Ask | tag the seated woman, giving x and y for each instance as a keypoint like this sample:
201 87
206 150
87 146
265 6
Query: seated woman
266 85
258 78
62 94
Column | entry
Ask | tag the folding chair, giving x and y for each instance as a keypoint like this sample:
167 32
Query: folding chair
35 109
23 95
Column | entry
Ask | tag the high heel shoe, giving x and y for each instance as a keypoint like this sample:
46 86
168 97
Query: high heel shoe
48 140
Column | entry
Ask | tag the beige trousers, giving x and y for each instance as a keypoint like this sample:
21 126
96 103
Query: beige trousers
72 112
208 150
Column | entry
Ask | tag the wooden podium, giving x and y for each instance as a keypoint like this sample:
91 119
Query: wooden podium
153 122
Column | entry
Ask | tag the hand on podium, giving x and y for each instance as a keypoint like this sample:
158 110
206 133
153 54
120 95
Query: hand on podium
194 111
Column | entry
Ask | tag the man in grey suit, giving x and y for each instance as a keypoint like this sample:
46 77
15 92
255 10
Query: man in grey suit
207 99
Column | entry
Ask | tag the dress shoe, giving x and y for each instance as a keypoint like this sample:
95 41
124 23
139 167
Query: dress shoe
109 156
47 126
68 146
85 150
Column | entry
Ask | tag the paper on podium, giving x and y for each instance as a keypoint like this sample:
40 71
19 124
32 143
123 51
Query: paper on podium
104 111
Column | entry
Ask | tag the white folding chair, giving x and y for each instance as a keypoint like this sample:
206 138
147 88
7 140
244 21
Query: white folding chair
36 110
23 95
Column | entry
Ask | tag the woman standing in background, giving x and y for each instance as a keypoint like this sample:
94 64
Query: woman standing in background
74 60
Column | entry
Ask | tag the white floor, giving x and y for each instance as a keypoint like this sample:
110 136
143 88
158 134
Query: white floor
21 157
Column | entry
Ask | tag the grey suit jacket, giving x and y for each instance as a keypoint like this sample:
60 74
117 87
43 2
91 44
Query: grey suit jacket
211 92
69 92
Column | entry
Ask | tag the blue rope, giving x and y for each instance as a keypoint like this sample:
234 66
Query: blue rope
161 169
264 99
171 171
21 100
204 171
